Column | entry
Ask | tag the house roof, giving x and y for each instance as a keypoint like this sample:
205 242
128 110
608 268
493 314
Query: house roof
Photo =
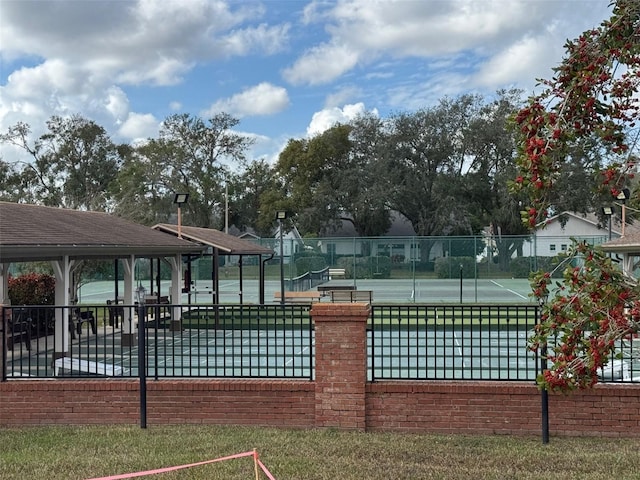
594 220
34 232
400 227
227 244
629 244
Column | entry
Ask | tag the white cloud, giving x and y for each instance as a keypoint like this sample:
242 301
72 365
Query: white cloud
139 127
117 104
329 117
263 38
81 55
364 31
321 64
262 99
342 96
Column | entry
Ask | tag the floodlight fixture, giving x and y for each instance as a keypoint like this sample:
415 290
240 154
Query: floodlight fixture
608 211
181 198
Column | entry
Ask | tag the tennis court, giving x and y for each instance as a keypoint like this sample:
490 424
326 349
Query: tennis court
420 354
384 290
289 353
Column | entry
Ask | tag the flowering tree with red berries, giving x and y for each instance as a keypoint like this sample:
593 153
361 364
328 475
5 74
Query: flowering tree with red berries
591 310
594 98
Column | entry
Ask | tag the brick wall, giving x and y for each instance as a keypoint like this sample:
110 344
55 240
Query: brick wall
501 408
87 401
339 397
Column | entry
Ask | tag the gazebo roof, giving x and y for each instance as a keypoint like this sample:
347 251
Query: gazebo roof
226 244
629 244
34 232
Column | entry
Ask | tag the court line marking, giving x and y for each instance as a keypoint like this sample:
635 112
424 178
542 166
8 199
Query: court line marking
509 290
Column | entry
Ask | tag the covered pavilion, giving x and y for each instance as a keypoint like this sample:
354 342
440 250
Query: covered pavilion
218 243
64 237
628 247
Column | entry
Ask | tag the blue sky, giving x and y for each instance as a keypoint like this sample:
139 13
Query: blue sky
284 68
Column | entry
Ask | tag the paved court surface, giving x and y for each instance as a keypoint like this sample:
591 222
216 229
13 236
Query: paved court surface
286 353
384 291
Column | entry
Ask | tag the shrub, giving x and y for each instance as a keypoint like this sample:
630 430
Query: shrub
310 264
449 267
366 267
521 267
32 289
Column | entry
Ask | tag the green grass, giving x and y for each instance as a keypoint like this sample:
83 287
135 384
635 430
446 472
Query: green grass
52 453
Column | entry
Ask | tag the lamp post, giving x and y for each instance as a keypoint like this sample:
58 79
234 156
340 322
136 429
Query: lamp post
608 211
226 207
544 393
179 199
280 216
142 373
623 196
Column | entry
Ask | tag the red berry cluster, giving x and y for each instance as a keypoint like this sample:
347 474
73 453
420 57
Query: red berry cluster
594 93
593 308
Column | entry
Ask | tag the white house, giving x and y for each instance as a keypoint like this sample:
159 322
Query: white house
292 242
399 242
555 234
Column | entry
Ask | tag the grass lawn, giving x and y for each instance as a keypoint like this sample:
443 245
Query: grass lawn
51 453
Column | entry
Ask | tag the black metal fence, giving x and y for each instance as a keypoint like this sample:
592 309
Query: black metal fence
265 341
452 342
421 342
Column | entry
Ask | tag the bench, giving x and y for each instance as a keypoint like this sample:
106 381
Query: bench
351 296
327 289
153 300
299 297
19 330
79 318
157 307
337 273
116 313
69 366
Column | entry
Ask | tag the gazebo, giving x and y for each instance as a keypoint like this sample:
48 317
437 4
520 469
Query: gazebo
65 237
628 247
216 244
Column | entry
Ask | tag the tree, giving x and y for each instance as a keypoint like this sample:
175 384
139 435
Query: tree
72 165
191 156
592 100
594 307
490 155
362 193
249 188
336 176
306 169
10 183
425 162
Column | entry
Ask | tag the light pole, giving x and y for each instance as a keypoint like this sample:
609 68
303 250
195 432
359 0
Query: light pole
179 199
226 207
280 216
608 211
623 196
142 373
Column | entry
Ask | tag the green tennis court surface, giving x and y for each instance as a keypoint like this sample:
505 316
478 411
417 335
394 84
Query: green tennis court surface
384 291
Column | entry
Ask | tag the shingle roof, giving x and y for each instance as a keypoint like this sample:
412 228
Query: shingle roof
627 244
227 244
34 232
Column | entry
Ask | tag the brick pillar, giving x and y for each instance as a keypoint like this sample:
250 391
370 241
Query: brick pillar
341 364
